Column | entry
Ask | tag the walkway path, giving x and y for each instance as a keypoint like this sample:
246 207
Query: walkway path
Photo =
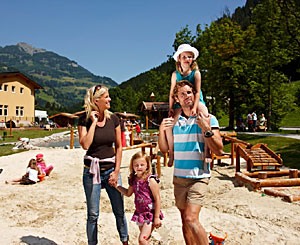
293 136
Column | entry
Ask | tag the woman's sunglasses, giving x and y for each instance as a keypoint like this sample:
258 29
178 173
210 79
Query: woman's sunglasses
96 89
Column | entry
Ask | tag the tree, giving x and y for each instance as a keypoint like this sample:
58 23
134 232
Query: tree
274 49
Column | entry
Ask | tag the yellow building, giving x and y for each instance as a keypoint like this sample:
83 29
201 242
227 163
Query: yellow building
17 98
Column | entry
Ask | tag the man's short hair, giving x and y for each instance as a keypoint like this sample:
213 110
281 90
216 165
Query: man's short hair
181 84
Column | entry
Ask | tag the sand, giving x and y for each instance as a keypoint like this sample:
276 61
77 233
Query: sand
54 211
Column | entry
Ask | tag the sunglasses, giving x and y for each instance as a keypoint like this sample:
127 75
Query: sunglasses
96 89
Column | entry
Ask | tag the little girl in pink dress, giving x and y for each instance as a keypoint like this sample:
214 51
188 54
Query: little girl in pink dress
42 165
145 187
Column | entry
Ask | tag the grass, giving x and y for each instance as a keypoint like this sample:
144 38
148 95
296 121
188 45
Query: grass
6 149
289 149
292 119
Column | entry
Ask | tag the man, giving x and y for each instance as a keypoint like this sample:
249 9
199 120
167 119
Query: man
191 173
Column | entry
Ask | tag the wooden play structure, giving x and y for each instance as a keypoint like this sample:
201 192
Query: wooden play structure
263 172
257 156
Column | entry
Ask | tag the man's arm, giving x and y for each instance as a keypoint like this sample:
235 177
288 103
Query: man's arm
214 142
162 141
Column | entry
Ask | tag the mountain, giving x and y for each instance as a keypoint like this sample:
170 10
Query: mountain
64 81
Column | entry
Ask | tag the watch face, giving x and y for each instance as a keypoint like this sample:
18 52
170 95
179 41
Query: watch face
208 134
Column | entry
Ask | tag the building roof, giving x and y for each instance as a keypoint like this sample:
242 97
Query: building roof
155 106
19 74
64 114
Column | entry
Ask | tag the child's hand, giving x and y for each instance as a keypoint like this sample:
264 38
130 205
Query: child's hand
171 112
157 222
193 112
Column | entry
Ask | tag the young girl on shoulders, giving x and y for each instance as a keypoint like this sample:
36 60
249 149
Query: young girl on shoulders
31 176
186 69
145 187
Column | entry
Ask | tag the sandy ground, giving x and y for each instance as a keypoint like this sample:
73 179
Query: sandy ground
54 211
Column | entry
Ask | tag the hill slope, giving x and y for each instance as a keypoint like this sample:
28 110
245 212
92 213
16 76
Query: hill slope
64 81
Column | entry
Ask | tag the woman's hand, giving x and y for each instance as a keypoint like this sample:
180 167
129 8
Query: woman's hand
94 116
113 178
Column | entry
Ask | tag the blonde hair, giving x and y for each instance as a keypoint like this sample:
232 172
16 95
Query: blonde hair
194 65
136 156
89 100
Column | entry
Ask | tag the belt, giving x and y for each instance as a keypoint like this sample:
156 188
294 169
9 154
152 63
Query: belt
101 169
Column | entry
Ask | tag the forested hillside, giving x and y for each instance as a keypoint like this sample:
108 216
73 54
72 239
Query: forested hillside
247 60
64 81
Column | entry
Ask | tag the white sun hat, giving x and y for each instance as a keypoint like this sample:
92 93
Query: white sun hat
185 48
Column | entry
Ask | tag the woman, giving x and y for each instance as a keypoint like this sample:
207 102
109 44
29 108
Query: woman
98 130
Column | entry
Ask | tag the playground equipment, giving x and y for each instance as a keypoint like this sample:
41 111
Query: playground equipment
279 182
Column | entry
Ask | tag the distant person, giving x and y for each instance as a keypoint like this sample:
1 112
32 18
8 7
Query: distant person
262 123
42 165
254 120
99 130
138 129
31 176
145 187
186 69
262 120
122 125
249 122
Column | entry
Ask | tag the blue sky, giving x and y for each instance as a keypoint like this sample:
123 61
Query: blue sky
117 39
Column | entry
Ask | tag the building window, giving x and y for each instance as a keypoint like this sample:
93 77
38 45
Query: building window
13 89
17 110
0 87
21 90
1 110
21 111
5 87
5 110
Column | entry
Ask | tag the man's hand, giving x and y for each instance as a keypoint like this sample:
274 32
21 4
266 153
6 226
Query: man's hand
167 123
203 122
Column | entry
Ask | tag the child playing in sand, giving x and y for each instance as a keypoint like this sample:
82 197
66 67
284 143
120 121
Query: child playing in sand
42 165
145 187
186 69
31 176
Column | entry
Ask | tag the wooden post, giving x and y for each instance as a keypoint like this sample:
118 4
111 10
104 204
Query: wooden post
131 137
232 152
165 159
10 125
262 175
237 156
293 173
147 121
72 139
158 167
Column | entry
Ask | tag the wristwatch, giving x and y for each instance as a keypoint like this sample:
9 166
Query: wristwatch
208 134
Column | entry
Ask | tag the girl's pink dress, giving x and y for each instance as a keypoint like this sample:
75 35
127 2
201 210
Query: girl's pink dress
45 170
144 201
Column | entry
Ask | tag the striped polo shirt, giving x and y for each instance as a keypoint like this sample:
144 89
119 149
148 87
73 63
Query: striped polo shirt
189 148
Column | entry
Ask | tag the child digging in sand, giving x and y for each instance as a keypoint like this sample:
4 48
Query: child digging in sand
186 69
145 187
31 176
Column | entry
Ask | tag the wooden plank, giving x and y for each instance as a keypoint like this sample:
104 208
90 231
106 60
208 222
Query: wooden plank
266 164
